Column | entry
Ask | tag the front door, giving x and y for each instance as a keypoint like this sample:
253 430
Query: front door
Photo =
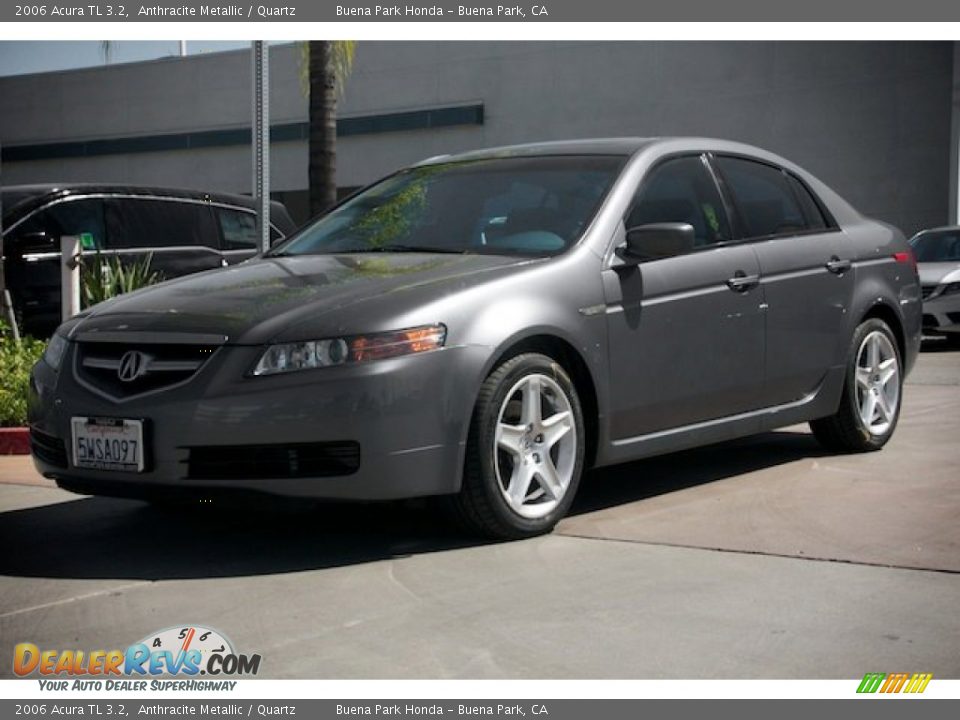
686 333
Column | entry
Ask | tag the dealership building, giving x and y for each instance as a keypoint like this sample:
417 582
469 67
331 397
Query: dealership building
877 121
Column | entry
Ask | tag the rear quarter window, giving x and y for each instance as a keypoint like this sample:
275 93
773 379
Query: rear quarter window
238 228
810 207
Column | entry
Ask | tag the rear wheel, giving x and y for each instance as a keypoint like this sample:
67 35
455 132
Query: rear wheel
870 405
524 452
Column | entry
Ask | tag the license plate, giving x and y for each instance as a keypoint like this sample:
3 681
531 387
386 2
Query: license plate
108 444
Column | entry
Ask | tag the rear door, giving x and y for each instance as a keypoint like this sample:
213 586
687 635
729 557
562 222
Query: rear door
179 235
806 270
686 333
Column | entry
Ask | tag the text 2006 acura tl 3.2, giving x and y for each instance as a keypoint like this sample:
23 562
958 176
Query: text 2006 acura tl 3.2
484 327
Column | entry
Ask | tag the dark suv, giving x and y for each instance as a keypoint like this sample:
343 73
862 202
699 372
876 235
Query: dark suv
185 231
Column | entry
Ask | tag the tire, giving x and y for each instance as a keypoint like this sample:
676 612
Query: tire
524 456
869 390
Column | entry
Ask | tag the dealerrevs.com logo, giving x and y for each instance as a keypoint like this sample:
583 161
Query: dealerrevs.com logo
184 651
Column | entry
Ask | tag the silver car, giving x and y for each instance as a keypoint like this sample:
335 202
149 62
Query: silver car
938 258
482 328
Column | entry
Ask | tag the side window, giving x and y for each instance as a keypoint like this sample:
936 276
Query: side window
766 202
83 218
683 191
238 228
138 223
811 210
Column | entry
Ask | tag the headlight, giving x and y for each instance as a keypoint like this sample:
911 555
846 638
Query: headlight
56 348
951 288
289 357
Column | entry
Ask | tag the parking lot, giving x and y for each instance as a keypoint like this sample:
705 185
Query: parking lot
761 558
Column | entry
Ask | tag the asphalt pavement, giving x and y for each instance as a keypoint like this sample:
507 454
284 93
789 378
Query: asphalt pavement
761 558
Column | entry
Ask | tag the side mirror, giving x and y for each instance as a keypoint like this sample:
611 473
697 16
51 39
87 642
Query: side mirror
656 240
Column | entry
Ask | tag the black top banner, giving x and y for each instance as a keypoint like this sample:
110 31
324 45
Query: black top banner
467 11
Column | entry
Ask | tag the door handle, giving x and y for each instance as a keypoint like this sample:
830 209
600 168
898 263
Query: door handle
741 282
838 266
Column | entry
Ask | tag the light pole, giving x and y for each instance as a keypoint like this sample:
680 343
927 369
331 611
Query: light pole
261 140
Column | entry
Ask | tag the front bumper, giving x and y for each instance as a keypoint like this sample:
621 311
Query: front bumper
409 415
941 314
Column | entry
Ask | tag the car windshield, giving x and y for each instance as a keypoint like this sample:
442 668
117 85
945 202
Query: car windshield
937 247
529 206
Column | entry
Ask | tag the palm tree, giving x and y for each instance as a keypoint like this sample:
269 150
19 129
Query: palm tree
327 64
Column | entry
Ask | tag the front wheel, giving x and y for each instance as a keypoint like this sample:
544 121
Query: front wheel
524 452
870 405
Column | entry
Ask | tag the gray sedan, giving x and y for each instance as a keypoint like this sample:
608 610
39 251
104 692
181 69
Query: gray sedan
938 257
482 328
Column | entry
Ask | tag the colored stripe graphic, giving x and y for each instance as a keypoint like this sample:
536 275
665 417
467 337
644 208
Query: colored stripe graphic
918 683
871 682
894 683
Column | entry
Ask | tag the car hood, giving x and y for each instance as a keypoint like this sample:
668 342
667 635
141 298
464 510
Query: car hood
253 302
935 273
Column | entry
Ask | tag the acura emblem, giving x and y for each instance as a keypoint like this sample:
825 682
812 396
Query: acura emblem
133 364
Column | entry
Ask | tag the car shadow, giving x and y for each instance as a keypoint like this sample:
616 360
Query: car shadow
125 539
643 479
938 345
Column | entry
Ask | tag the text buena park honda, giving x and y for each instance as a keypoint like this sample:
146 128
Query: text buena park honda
397 710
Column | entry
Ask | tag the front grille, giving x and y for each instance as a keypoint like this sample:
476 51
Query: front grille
927 290
51 450
930 321
157 366
259 462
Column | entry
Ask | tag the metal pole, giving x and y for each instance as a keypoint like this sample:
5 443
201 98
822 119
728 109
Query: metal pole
955 140
6 304
183 48
69 277
261 140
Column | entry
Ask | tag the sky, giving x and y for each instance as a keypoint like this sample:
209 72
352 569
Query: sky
18 58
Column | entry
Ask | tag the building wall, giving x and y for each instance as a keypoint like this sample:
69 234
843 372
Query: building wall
871 119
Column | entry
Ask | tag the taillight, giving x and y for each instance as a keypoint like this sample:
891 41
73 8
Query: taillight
905 257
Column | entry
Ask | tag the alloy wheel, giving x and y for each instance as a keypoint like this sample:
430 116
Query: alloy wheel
878 382
536 446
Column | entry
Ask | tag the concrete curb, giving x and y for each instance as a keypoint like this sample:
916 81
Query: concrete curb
15 441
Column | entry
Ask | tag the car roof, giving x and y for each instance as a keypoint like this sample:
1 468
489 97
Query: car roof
20 199
591 146
943 228
621 146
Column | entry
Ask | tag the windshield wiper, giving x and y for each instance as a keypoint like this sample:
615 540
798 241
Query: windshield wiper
408 248
377 249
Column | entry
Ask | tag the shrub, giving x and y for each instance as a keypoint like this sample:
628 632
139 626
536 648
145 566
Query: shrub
15 364
103 277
